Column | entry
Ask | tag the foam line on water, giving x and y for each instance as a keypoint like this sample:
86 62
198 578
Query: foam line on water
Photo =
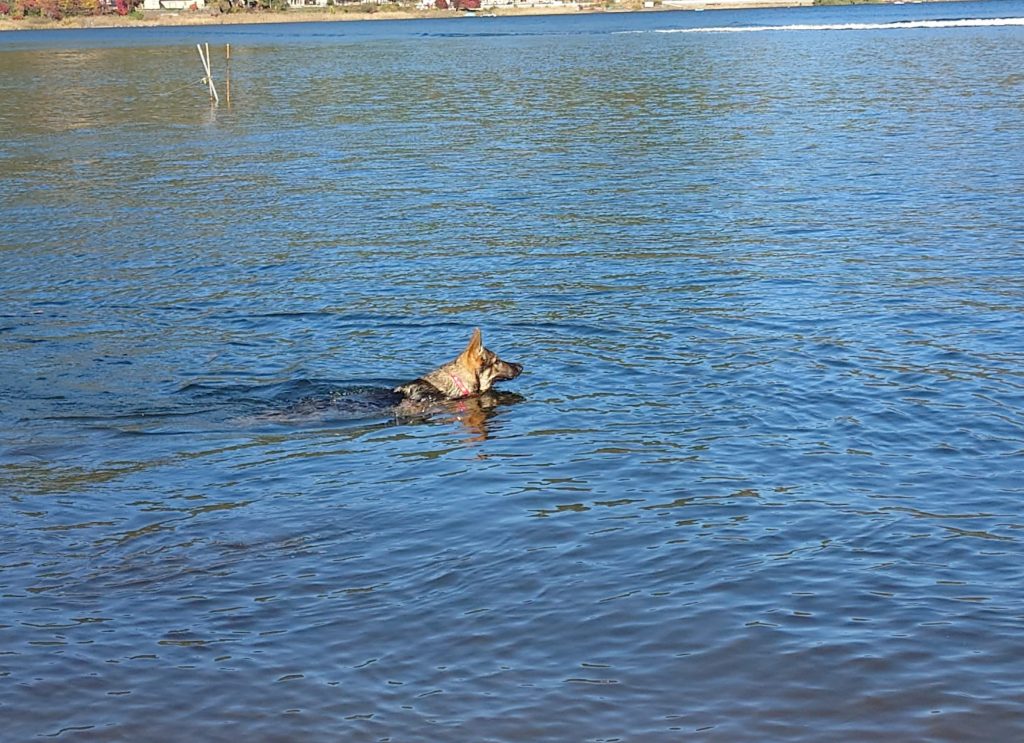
957 23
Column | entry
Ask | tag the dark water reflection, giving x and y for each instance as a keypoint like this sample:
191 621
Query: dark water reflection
761 479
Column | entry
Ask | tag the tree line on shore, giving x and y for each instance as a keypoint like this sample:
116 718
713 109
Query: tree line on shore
58 9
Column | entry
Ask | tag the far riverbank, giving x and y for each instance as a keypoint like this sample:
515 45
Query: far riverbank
211 17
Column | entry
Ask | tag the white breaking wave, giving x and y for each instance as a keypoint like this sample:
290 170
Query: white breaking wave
961 23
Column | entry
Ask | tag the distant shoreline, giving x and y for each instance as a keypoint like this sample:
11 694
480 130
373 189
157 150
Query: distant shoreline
338 13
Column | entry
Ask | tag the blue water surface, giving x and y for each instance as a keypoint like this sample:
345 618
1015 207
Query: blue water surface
762 478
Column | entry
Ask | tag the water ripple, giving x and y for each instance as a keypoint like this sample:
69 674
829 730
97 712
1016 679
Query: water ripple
770 427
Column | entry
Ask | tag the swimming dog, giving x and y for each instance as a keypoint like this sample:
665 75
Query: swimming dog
473 372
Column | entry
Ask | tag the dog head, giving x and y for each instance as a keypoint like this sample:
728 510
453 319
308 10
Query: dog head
483 365
473 372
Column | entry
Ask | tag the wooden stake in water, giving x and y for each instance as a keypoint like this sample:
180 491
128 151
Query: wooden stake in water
227 74
205 58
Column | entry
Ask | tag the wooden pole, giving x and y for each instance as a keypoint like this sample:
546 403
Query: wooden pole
227 74
206 67
209 76
205 58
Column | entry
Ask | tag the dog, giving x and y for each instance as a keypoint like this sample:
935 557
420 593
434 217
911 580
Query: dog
472 373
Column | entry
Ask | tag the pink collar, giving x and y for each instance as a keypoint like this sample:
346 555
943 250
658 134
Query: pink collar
458 383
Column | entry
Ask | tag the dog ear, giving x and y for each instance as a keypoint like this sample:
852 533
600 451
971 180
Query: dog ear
476 345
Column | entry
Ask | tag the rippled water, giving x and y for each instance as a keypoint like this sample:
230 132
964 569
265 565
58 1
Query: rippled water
761 480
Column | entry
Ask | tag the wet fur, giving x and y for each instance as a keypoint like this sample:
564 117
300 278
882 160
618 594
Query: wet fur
471 373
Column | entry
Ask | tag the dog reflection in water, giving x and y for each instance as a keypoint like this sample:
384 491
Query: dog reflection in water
474 413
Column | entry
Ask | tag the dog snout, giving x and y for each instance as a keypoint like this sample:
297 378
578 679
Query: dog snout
514 369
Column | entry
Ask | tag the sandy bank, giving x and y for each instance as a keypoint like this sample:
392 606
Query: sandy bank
319 15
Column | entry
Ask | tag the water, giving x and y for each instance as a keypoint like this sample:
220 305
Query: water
761 479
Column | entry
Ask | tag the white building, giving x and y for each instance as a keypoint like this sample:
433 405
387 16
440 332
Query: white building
172 4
